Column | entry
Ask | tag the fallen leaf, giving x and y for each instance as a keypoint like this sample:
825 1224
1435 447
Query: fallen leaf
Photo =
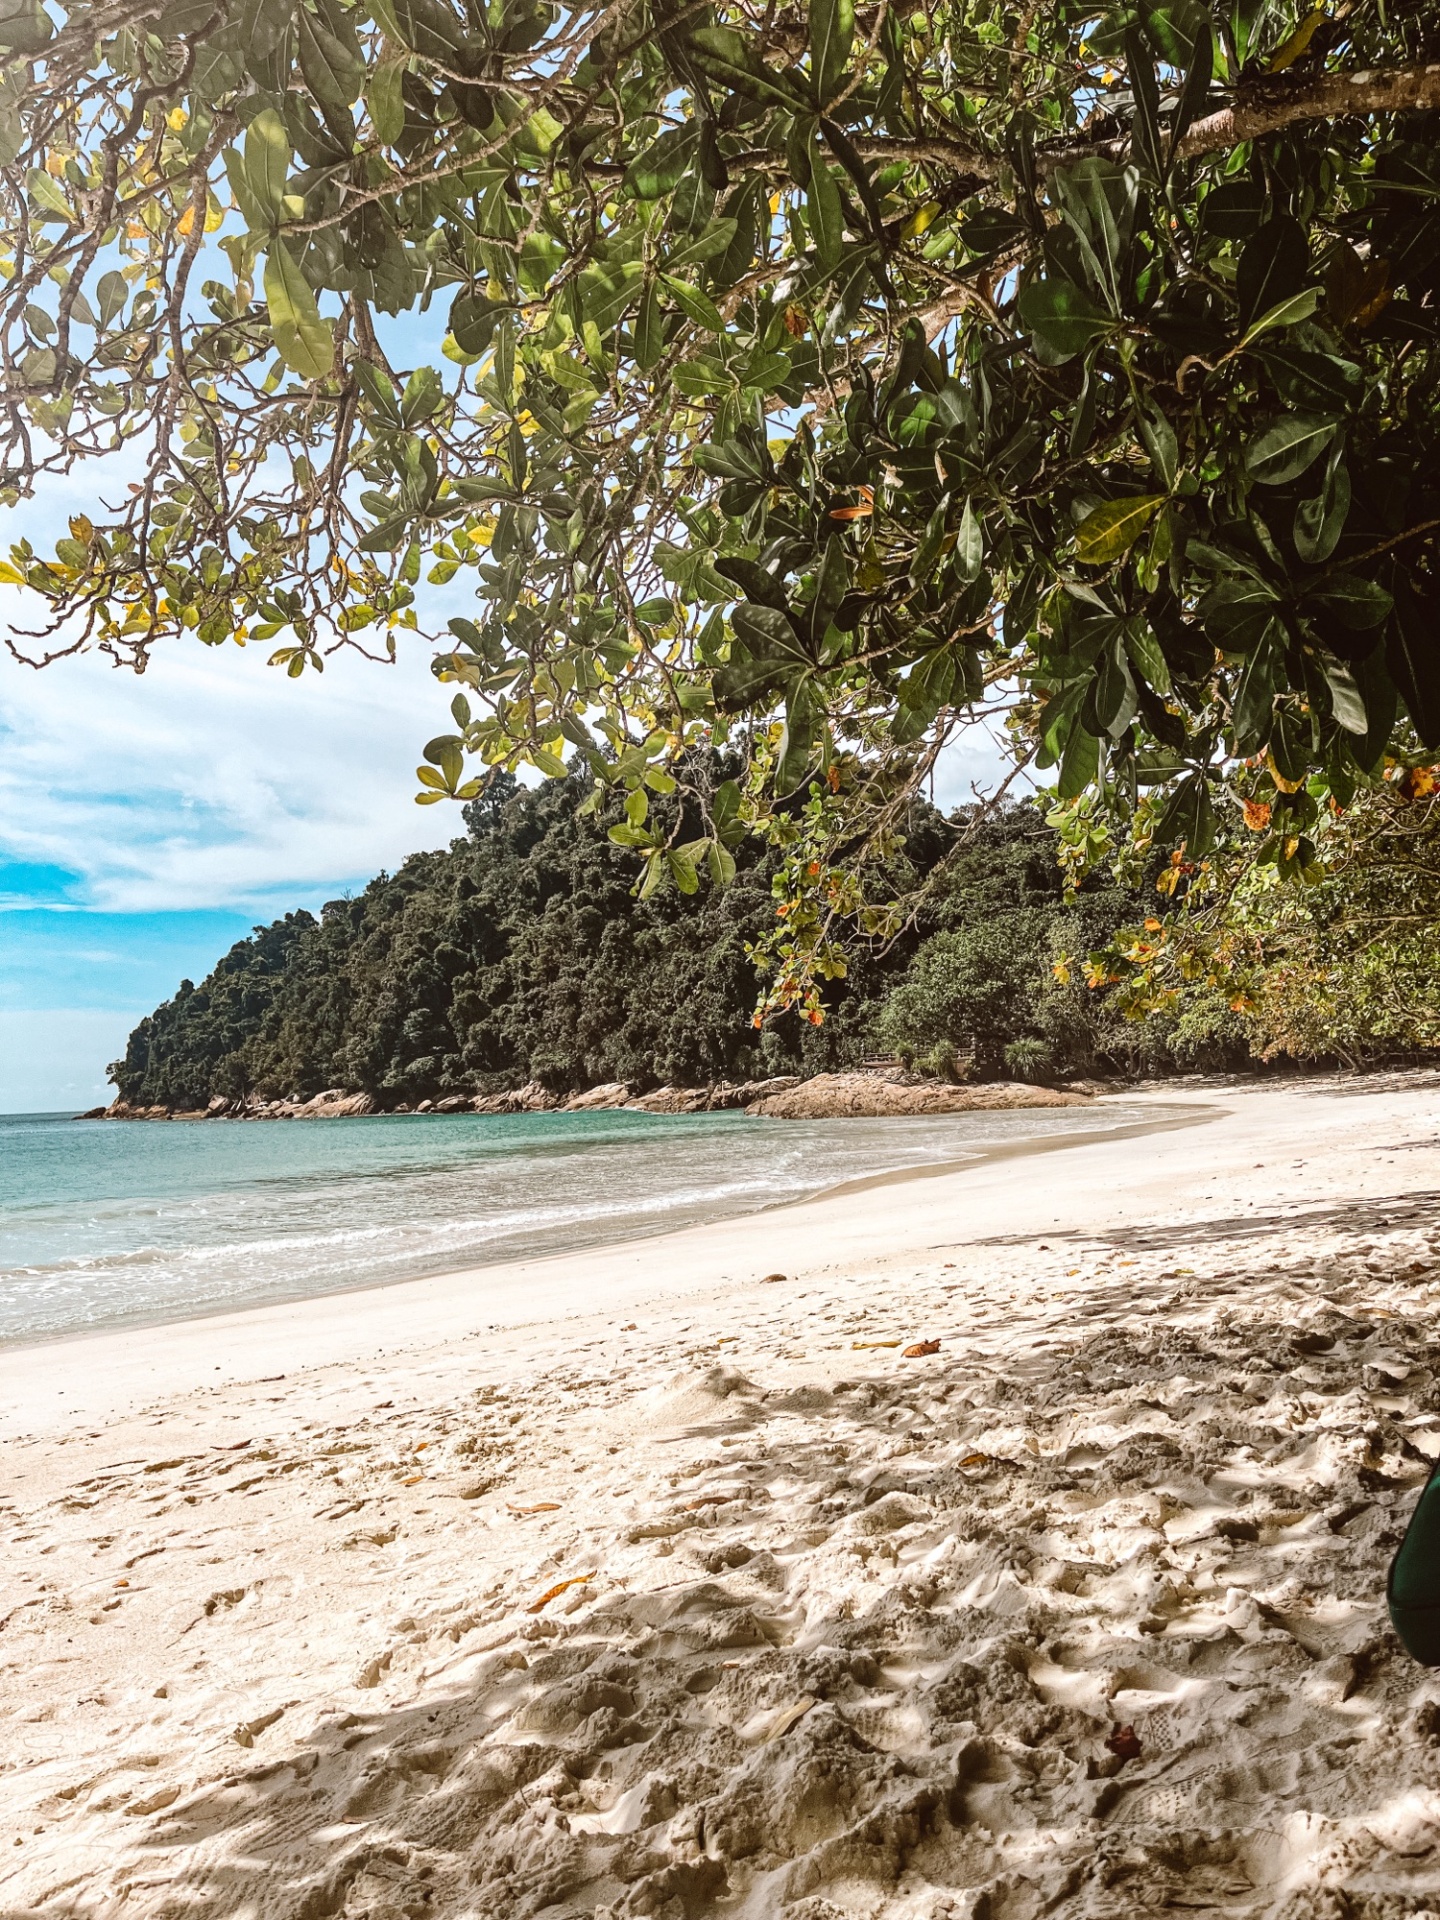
122 1583
380 1405
789 1716
770 1278
1124 1743
976 1460
921 1348
864 1346
421 1446
629 1327
579 1580
412 1480
540 1506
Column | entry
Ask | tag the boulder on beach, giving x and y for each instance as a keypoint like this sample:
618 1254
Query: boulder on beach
867 1096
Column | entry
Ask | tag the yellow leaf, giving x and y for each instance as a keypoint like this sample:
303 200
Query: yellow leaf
1109 532
1296 45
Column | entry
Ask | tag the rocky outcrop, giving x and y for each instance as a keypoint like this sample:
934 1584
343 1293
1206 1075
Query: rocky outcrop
335 1104
856 1096
723 1097
828 1096
528 1099
602 1099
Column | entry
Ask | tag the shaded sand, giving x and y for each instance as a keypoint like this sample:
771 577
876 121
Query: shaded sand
739 1611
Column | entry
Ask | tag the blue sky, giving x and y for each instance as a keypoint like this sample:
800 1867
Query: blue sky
146 824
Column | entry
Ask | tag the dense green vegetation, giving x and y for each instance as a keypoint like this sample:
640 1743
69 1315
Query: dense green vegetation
523 953
793 380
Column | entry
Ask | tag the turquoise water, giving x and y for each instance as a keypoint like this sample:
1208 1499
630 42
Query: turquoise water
106 1223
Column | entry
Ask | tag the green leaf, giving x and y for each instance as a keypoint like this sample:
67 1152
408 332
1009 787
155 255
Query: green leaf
1285 313
302 339
1254 709
736 62
472 321
1274 266
1062 317
650 329
1287 447
267 163
385 99
1189 817
1158 437
1109 532
715 239
1414 660
1237 613
1319 522
825 211
660 168
969 545
1079 764
111 293
1355 603
693 304
1346 701
48 195
1144 651
832 32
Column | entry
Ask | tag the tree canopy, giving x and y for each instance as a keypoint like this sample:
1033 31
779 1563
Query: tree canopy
794 379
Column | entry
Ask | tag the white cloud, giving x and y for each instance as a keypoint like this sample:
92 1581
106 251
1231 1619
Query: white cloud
215 780
53 1059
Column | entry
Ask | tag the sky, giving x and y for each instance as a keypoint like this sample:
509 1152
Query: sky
148 823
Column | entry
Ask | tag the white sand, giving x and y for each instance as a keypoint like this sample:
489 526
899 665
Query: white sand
850 1630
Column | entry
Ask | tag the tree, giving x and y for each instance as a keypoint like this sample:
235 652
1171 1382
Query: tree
807 380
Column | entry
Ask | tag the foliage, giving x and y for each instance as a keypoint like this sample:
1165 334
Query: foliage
781 352
1340 967
989 991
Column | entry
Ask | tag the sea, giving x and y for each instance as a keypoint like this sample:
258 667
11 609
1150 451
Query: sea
109 1223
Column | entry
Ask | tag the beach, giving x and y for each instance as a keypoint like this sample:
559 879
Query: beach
985 1542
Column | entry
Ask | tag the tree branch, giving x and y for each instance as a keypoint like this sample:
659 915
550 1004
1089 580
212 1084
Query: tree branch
1267 107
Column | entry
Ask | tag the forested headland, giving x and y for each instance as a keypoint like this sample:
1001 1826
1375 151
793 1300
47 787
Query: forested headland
522 954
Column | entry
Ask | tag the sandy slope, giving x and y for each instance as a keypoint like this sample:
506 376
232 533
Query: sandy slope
849 1630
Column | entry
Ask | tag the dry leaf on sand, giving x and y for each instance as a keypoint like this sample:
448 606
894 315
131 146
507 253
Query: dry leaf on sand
921 1348
788 1717
552 1593
865 1346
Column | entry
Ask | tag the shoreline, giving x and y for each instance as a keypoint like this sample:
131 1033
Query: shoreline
1179 1114
1023 1548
